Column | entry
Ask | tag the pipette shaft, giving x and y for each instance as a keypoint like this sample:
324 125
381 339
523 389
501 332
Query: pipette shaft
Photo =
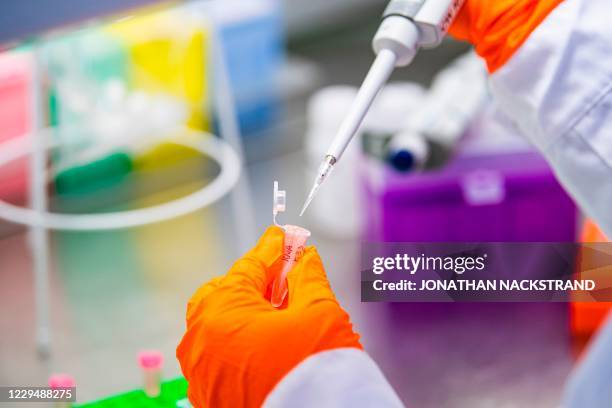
406 26
377 77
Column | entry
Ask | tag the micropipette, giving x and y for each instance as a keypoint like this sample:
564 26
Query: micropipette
407 25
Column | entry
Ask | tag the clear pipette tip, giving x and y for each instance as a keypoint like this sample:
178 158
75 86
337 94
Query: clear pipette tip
310 197
324 170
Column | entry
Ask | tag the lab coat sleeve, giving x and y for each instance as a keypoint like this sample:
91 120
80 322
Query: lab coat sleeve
345 377
590 385
558 89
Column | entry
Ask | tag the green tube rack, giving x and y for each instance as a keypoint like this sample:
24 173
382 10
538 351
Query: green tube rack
173 395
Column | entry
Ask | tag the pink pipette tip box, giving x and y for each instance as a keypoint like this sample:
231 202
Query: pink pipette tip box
151 359
61 381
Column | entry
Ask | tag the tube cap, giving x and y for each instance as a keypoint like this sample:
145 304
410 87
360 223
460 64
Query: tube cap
57 381
151 359
279 201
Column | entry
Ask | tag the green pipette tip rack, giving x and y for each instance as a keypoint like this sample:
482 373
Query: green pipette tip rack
173 395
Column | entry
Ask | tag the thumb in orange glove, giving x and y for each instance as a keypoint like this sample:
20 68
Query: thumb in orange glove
237 346
498 28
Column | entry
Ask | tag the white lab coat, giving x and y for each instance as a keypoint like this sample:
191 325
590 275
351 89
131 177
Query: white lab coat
557 89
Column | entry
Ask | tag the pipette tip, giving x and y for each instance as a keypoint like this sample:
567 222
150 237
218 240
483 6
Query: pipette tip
324 170
309 198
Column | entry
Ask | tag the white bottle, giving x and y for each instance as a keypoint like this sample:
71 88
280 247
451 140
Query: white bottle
455 97
397 102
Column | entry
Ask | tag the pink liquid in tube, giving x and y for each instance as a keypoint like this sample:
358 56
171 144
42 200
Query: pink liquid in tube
293 247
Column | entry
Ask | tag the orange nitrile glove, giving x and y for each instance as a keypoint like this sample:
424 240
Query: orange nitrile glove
237 346
497 28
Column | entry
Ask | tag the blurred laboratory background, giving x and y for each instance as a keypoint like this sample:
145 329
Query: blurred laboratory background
139 143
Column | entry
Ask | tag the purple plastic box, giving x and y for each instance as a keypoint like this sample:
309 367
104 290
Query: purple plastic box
484 197
492 197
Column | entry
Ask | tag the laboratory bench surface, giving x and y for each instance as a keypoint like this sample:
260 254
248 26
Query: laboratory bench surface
114 293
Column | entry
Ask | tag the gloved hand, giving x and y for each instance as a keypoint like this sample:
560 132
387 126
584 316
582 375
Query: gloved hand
498 28
238 346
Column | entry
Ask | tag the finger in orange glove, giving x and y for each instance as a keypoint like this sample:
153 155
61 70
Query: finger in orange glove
498 28
237 346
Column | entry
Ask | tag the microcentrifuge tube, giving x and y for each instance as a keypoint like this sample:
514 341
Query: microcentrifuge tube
293 246
151 362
